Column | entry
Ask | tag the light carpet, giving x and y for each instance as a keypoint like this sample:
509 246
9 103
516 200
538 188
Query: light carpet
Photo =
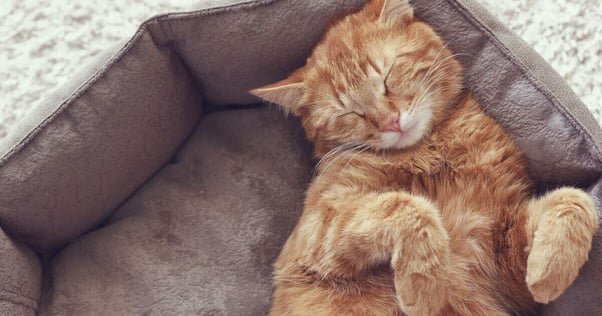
44 42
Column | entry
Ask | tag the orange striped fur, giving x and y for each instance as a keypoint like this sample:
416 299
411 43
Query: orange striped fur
422 205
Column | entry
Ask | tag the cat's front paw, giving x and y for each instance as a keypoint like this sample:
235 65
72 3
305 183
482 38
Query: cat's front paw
561 243
423 294
422 267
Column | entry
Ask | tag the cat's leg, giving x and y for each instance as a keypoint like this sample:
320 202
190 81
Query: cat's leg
365 229
421 260
560 228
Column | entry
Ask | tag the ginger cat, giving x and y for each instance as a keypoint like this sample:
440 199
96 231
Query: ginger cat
422 205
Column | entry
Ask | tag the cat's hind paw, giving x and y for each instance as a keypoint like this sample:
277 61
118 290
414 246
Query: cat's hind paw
561 242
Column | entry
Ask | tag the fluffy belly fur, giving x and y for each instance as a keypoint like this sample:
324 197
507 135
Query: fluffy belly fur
443 228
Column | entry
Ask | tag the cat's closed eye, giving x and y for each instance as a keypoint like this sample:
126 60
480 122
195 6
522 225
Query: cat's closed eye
358 113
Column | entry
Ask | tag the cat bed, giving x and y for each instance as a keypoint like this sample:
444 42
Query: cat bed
153 184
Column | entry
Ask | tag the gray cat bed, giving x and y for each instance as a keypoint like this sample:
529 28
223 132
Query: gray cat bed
152 185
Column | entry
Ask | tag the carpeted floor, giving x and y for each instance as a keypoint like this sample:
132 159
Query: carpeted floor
44 42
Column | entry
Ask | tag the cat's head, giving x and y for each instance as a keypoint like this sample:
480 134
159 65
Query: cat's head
378 78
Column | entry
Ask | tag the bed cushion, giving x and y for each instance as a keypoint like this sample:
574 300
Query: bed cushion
20 278
200 237
165 246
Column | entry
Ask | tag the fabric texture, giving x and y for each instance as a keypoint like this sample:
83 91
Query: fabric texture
92 150
20 278
199 236
275 36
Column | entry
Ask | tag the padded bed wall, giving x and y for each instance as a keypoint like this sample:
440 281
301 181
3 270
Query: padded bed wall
98 145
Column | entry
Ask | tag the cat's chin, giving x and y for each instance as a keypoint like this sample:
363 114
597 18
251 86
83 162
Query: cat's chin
400 140
396 140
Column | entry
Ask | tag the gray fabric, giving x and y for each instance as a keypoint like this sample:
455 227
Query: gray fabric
275 37
200 237
44 111
97 147
20 278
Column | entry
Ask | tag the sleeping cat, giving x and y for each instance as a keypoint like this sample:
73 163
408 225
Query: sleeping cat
422 205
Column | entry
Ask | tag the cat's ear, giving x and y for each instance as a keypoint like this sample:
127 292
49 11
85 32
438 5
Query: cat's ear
397 10
286 93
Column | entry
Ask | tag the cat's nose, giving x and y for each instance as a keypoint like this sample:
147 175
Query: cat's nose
392 126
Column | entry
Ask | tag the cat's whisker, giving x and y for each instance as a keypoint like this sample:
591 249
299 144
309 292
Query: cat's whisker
328 155
430 69
432 78
431 92
362 149
348 153
437 64
435 60
345 148
436 77
432 82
